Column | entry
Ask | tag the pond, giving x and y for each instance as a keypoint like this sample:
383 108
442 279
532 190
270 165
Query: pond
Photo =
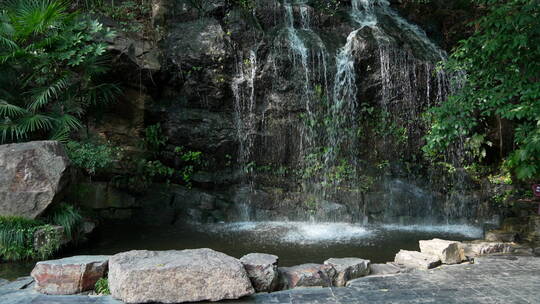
294 242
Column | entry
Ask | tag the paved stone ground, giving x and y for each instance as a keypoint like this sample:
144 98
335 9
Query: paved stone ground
494 279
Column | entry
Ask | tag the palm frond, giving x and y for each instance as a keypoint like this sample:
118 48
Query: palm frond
61 135
42 96
34 17
68 122
8 131
104 93
10 110
33 123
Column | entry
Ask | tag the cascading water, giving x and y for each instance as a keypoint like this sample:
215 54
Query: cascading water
243 88
329 153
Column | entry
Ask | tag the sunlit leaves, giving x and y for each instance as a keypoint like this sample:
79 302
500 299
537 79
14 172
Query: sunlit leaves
503 80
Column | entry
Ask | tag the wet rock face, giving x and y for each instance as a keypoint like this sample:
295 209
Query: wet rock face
177 276
70 275
31 176
199 55
250 88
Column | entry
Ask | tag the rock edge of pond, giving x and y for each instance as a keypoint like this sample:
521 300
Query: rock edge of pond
142 276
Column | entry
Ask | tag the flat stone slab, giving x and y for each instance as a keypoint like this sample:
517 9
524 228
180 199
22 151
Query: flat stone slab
479 248
348 269
262 271
449 252
175 276
384 269
417 260
492 279
69 275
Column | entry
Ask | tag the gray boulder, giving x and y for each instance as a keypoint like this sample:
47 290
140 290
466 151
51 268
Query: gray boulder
450 252
348 269
306 275
31 176
417 260
262 270
174 276
69 275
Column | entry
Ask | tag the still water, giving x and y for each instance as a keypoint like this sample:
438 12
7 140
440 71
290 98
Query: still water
294 242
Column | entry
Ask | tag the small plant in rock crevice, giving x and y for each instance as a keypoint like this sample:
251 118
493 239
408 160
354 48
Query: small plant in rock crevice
102 287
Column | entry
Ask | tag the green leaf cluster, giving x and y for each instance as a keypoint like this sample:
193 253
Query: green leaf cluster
17 239
92 157
52 63
102 287
501 80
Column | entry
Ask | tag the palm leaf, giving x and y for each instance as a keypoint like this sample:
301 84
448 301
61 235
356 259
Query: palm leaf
42 96
68 122
37 122
61 135
10 110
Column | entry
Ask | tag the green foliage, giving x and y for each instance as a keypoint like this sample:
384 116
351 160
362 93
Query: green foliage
131 15
17 233
102 287
329 7
148 167
51 65
68 217
154 139
51 243
17 237
502 81
244 4
92 157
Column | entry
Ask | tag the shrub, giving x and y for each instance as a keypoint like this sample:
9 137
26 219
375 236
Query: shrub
92 157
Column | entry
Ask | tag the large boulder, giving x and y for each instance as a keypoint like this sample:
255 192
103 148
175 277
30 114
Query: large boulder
348 269
262 270
69 275
417 260
31 175
450 252
174 276
306 275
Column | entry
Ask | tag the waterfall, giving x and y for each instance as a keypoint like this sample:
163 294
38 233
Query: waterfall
327 112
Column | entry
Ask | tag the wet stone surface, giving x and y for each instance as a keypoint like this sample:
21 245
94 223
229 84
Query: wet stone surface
494 279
